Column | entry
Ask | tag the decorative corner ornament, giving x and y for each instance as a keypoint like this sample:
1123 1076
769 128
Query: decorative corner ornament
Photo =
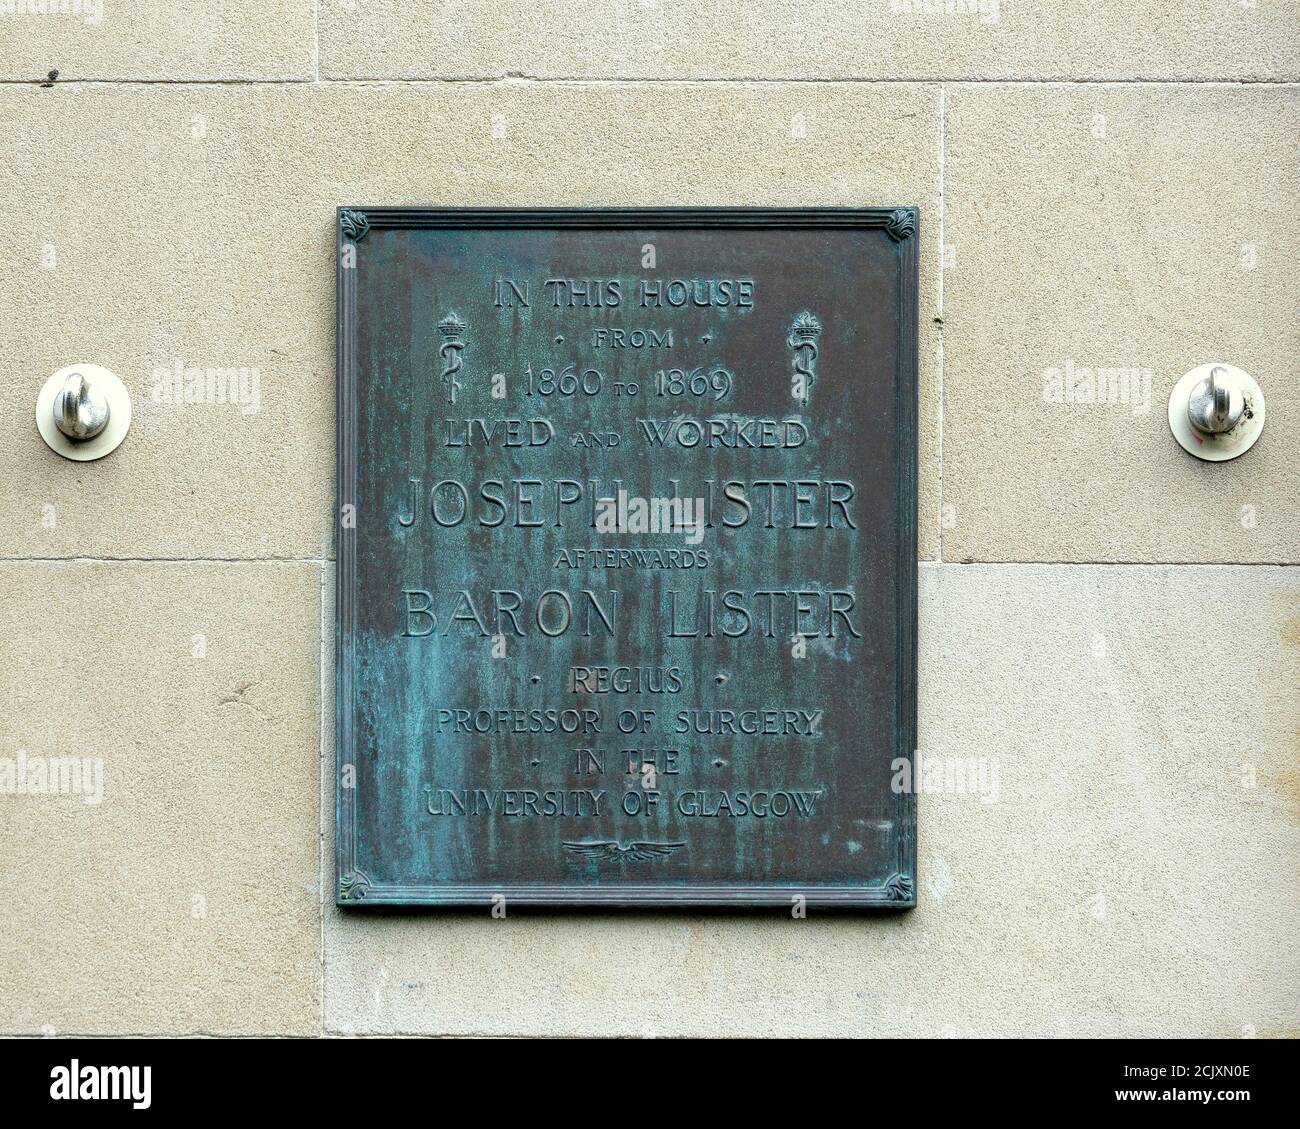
901 224
353 224
353 886
899 888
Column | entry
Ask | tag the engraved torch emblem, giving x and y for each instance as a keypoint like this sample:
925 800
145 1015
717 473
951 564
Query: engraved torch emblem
804 332
453 344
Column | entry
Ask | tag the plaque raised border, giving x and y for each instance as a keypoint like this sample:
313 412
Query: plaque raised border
893 890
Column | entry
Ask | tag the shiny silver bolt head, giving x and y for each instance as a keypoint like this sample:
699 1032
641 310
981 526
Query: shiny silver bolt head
80 408
1216 404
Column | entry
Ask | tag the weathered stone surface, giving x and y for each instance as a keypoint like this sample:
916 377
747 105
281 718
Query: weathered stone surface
911 39
157 39
1128 852
1142 231
185 898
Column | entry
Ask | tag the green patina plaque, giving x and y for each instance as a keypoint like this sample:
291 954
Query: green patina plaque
626 557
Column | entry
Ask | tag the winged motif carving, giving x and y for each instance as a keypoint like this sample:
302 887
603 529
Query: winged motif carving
610 849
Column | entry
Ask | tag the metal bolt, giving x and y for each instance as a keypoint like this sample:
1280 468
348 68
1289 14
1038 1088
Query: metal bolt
1216 403
80 408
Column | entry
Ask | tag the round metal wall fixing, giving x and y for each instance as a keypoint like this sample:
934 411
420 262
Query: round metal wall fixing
83 412
1216 412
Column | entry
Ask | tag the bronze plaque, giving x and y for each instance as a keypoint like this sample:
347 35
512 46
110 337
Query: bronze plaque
626 557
